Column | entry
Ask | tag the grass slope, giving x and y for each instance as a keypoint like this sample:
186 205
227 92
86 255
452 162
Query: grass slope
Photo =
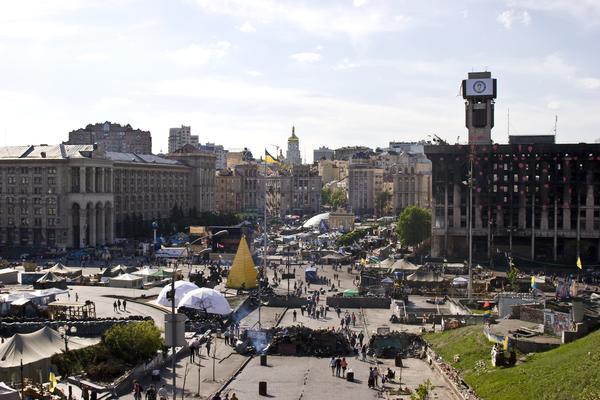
570 372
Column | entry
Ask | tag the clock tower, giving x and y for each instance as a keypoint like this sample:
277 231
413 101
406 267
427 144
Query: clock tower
479 92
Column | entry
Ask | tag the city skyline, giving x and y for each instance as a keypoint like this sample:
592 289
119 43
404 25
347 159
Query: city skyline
242 73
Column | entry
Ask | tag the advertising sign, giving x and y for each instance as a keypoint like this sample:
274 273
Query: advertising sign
480 87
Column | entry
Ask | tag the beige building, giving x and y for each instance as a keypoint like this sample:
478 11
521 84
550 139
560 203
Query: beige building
332 170
228 192
365 183
411 181
72 196
113 137
341 220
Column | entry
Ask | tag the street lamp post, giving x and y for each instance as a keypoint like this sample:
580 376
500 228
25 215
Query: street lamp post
469 183
64 331
154 228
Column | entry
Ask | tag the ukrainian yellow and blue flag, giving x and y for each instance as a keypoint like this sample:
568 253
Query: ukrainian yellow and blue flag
269 159
53 381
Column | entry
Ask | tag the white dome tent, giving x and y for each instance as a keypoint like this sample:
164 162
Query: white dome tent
181 289
205 299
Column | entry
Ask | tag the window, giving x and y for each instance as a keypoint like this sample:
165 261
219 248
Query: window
10 210
37 170
11 221
25 180
24 211
37 180
24 170
51 171
37 190
10 200
24 221
12 180
51 221
37 221
37 200
37 211
23 201
51 210
51 200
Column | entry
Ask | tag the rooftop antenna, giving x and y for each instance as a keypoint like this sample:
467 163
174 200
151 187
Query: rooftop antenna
555 127
508 123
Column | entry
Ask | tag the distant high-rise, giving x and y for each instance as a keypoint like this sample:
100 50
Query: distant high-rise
113 137
323 153
179 137
292 156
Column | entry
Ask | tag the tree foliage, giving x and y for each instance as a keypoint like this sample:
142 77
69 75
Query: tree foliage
422 391
382 202
133 342
351 237
414 226
512 274
336 198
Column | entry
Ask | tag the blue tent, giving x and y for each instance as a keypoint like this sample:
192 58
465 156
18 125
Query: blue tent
310 274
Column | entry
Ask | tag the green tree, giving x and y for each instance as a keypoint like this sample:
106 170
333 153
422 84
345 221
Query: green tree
422 392
512 274
326 196
133 342
414 226
338 198
382 202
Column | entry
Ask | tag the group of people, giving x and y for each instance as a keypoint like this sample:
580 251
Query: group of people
338 366
347 319
151 393
117 305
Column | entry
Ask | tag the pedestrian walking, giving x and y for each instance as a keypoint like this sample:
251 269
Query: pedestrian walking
344 365
226 335
137 390
342 322
338 366
150 393
76 297
332 365
162 393
208 347
371 379
353 319
192 352
124 305
294 314
119 304
115 306
69 296
361 337
363 352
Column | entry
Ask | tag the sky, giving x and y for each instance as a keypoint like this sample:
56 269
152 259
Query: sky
343 72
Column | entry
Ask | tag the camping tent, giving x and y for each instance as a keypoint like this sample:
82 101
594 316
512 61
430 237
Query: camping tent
8 393
116 271
50 280
310 274
242 272
9 276
127 281
62 270
460 281
35 350
181 289
146 274
206 299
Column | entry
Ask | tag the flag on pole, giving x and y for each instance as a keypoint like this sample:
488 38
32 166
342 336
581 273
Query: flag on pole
532 282
269 159
53 381
579 262
505 343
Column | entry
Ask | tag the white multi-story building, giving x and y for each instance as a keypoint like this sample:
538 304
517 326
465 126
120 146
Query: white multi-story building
179 137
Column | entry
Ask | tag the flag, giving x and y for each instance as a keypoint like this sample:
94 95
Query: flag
533 282
505 343
269 159
53 381
579 262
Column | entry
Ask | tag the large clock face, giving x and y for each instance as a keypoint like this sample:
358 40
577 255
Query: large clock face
479 86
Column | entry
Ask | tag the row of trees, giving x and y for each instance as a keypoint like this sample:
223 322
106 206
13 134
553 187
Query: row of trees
336 198
135 226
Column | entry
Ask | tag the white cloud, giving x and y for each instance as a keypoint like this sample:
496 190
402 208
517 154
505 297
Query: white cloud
589 83
326 20
247 27
200 55
509 17
553 105
254 73
585 11
345 64
359 3
306 57
93 56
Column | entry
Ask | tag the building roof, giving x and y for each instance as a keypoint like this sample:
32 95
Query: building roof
53 152
139 158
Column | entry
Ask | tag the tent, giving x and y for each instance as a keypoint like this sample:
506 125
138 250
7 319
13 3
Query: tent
35 350
62 270
181 289
387 281
206 299
50 280
146 274
8 393
310 274
9 276
116 271
127 281
350 293
242 272
315 221
460 281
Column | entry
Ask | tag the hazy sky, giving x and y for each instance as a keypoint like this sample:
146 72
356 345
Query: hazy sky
344 72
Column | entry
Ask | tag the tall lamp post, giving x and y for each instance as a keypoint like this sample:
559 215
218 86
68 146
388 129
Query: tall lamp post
172 296
65 331
469 183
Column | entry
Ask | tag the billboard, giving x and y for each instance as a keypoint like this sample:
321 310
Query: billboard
479 87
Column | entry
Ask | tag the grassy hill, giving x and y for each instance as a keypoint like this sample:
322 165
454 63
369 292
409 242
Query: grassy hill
570 372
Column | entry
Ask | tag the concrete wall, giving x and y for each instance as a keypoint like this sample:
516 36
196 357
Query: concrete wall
529 313
359 302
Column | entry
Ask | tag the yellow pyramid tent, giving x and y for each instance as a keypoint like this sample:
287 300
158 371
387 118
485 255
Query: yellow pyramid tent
242 272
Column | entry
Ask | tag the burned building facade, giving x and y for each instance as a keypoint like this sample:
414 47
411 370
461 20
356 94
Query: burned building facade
531 198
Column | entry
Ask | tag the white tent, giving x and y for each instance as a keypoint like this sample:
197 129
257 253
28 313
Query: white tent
146 273
62 270
9 276
127 281
8 393
314 221
181 289
205 299
460 281
35 350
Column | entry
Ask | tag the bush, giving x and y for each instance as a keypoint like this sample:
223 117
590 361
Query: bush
133 342
351 237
